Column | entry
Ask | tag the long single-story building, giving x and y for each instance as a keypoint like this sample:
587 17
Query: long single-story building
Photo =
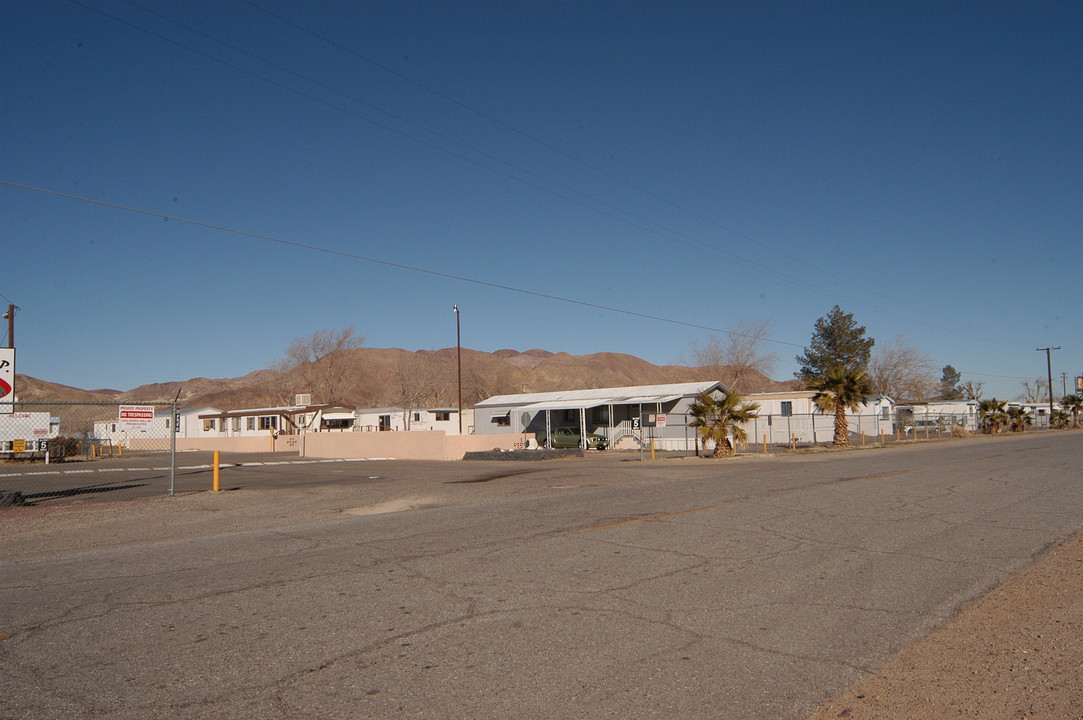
629 417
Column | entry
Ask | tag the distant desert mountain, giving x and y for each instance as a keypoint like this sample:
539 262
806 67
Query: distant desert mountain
386 377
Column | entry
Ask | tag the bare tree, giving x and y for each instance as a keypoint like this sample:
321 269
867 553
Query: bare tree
1036 391
316 365
422 381
901 371
972 390
741 349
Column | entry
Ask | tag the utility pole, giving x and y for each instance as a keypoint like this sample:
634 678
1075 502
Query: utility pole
1049 368
459 363
10 317
1064 384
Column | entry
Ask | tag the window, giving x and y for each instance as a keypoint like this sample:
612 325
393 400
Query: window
251 423
417 417
385 423
442 415
786 408
236 424
268 422
503 420
885 413
208 424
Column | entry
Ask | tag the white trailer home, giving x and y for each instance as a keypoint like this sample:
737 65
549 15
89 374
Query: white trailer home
792 416
628 417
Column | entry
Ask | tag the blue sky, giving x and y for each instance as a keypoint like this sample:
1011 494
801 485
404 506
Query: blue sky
918 164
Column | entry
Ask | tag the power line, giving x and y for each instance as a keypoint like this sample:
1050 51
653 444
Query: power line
378 261
602 171
600 205
417 269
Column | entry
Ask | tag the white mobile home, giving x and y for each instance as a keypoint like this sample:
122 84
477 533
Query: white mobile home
793 416
414 419
629 417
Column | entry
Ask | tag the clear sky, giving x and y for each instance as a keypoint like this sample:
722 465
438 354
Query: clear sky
919 164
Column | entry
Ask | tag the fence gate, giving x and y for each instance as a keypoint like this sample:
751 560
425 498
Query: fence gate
107 451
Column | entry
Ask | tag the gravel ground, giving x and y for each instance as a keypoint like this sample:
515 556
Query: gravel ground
1017 652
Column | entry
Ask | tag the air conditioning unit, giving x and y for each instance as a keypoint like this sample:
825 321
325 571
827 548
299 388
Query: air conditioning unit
305 399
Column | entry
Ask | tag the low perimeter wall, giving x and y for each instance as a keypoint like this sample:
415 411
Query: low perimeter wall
412 445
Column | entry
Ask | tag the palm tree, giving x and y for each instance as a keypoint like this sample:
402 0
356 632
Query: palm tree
1059 420
1020 418
993 415
718 419
838 390
1074 405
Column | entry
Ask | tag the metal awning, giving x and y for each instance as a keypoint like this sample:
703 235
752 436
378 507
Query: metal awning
564 405
339 416
644 399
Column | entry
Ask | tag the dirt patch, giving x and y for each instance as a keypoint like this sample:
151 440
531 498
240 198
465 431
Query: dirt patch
392 506
1017 652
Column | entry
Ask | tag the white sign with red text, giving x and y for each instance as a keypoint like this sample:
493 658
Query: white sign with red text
7 379
135 417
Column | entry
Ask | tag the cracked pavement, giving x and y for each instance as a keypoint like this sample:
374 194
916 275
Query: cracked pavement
593 587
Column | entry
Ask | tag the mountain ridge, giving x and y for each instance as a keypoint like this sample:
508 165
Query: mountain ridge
387 377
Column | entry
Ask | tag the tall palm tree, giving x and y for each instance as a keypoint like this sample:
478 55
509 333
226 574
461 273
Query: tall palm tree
993 415
838 390
718 419
1074 405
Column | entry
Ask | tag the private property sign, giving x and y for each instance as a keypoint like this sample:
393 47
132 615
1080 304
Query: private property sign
135 417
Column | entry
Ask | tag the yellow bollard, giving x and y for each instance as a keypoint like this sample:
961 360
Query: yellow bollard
862 438
652 448
765 443
793 442
217 457
120 451
881 436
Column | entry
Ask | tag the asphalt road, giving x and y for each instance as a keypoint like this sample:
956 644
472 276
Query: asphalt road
584 588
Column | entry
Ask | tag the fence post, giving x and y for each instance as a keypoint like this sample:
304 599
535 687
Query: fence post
172 425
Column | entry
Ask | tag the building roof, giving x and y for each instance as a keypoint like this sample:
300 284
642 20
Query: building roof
288 410
575 399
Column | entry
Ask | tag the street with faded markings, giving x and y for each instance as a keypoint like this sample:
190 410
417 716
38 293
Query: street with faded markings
604 586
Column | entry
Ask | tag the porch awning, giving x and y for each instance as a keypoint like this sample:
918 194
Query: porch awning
338 416
645 399
565 405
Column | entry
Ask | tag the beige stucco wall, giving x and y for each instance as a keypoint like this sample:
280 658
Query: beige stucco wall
284 443
421 445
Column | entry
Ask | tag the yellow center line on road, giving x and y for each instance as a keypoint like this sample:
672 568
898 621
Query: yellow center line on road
648 517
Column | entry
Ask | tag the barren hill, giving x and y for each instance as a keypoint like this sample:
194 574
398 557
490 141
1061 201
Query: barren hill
385 377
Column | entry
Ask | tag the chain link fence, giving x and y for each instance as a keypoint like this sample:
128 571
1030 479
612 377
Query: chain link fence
96 451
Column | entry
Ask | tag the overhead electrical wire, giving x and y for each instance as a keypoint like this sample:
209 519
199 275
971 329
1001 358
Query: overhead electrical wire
413 268
822 272
624 216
